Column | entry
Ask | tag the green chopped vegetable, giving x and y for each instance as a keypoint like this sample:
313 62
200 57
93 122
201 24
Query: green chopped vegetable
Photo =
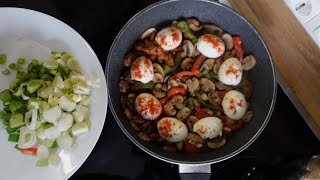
169 69
17 147
13 137
21 61
139 85
210 106
6 96
55 145
184 27
211 76
3 58
34 85
42 163
11 130
15 66
45 104
6 72
190 103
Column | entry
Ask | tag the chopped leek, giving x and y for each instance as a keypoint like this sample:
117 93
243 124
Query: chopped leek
46 105
3 59
16 120
6 72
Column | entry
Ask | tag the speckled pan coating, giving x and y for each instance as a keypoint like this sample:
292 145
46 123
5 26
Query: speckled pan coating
263 75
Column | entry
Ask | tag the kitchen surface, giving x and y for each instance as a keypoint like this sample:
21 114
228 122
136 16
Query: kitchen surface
286 143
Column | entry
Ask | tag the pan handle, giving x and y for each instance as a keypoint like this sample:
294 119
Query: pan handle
194 172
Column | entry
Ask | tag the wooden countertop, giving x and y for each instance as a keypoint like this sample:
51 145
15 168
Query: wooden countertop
296 56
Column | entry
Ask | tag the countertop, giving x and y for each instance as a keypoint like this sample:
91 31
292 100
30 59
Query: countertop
287 137
295 54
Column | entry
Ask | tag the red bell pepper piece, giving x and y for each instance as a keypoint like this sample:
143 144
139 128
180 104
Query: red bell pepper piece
172 92
195 70
184 73
237 43
175 91
164 100
197 64
32 151
199 113
239 52
189 148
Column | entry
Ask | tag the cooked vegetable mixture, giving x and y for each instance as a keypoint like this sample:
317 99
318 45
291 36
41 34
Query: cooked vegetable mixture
46 106
186 86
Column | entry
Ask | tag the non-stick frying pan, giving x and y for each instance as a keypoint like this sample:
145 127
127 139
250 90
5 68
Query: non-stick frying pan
263 75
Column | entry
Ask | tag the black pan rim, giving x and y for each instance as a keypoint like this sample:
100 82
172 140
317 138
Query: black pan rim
209 161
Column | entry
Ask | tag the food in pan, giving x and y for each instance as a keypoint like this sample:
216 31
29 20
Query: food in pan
186 87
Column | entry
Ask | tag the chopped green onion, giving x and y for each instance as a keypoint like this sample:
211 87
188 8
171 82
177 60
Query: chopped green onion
6 72
21 61
16 120
11 130
34 85
14 66
6 96
17 147
15 105
54 145
3 58
13 137
34 62
42 163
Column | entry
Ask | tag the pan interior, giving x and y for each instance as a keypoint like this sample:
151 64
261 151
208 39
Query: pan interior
263 76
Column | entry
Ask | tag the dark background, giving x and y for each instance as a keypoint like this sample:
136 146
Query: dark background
280 151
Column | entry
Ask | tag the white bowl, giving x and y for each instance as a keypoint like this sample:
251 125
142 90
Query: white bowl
31 34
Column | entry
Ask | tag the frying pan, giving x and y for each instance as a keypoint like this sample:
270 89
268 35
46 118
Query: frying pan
263 75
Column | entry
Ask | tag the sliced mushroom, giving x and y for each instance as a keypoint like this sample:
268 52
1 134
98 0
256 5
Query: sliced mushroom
217 65
157 78
229 54
213 29
179 145
214 98
222 86
191 121
158 92
132 98
128 113
188 49
248 62
196 102
169 148
169 109
134 126
158 69
228 41
164 87
155 137
148 33
196 138
172 83
247 117
128 59
197 53
209 111
227 130
124 86
204 96
174 23
216 144
194 24
144 137
177 100
187 63
206 85
181 84
193 85
183 113
208 65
